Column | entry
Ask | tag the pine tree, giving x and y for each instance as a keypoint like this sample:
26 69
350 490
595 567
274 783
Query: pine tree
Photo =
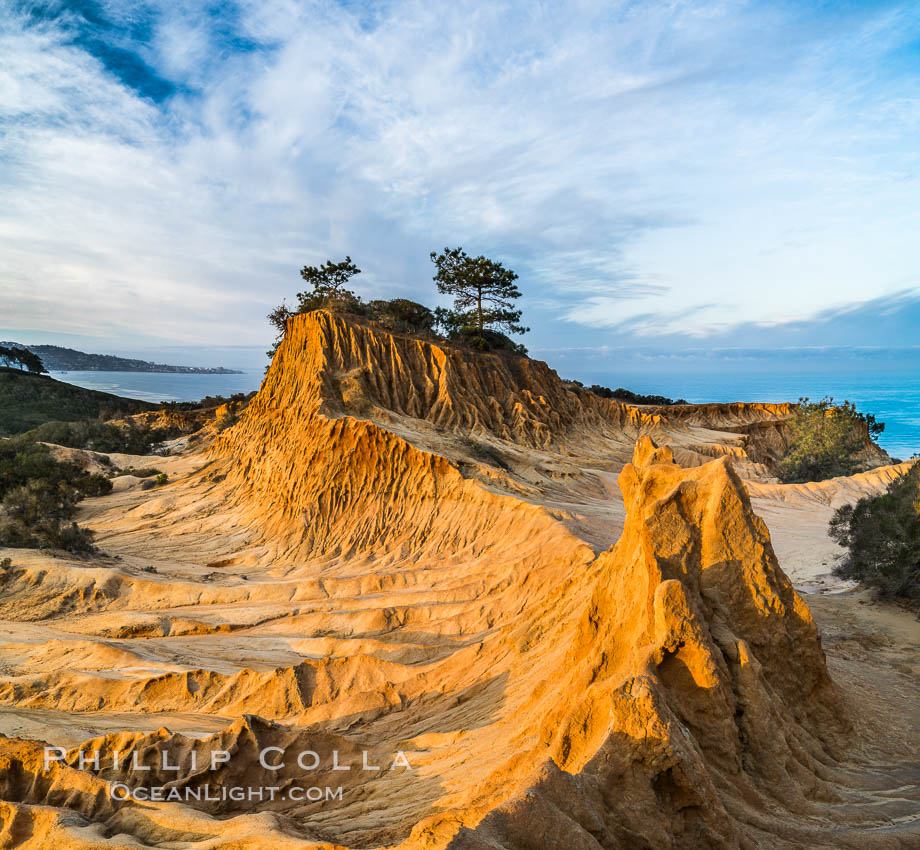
328 281
483 291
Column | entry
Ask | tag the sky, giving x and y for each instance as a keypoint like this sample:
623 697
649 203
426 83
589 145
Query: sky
665 177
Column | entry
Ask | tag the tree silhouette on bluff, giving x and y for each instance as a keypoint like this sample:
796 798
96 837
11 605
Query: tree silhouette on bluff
484 292
24 358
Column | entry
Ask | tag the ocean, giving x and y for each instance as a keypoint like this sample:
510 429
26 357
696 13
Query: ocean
893 396
165 386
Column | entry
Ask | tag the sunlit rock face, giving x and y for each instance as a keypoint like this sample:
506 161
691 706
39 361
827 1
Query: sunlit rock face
482 609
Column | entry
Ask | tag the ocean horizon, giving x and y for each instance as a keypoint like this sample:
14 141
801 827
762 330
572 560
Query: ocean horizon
893 397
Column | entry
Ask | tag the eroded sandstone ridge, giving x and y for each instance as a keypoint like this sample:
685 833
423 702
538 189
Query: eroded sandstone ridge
406 553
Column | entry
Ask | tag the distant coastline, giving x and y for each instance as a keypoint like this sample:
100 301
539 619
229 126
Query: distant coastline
59 359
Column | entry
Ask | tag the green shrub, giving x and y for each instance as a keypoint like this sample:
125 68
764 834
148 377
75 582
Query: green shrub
22 460
91 484
826 440
34 516
882 537
102 436
401 314
621 394
486 340
162 479
143 472
38 494
28 400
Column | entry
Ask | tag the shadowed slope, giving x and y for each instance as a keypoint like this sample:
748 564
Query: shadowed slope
697 699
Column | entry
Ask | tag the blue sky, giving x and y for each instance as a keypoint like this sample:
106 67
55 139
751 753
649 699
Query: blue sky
663 176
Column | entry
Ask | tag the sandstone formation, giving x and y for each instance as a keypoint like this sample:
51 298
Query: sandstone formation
504 593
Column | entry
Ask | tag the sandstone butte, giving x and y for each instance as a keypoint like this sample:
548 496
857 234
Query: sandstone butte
562 609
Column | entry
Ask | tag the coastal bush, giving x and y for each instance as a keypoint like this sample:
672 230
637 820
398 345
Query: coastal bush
826 440
629 396
102 436
27 400
32 517
882 538
401 314
38 495
143 472
486 340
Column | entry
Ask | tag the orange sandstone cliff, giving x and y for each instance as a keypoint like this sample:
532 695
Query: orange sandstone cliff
404 549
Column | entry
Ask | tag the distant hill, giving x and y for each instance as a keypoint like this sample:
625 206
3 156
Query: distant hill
60 359
28 400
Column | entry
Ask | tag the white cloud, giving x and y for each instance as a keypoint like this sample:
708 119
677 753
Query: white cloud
681 166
